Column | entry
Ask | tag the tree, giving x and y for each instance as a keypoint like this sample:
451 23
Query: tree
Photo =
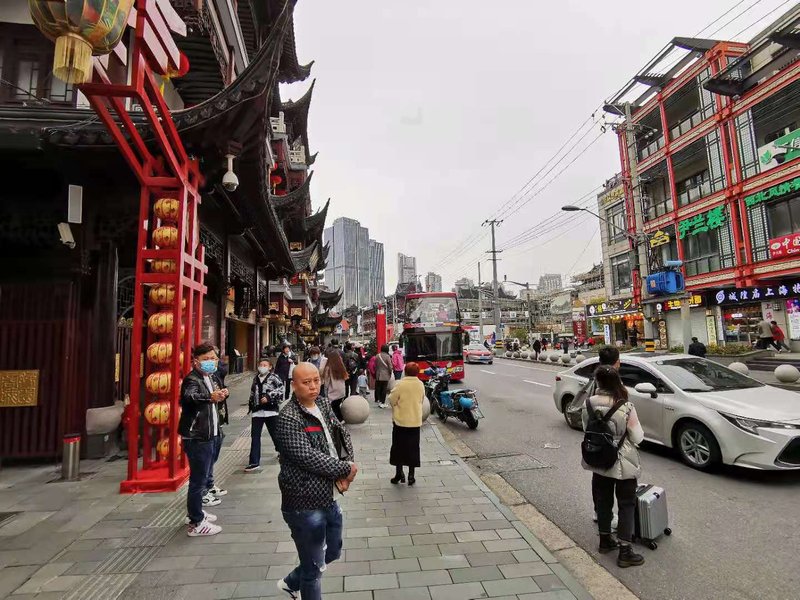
520 333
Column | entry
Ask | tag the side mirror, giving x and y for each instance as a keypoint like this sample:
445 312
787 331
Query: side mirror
646 388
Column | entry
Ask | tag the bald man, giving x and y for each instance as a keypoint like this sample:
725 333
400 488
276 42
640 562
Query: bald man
316 454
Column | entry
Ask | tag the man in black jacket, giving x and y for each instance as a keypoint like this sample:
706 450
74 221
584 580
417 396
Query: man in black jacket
697 348
201 391
316 454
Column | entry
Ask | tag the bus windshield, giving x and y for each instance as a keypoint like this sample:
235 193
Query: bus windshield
433 346
431 309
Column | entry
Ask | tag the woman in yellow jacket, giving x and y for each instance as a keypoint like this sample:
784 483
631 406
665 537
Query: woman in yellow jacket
406 400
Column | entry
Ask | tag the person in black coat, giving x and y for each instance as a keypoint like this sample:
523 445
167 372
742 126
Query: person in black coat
697 348
283 367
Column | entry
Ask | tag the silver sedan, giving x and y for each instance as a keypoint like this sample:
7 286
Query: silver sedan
707 412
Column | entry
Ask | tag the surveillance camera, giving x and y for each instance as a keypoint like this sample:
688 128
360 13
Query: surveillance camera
230 181
65 233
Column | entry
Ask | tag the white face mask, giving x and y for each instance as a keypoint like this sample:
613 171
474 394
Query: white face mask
263 370
314 356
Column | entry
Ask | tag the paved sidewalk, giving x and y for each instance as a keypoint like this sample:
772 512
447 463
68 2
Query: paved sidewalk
446 538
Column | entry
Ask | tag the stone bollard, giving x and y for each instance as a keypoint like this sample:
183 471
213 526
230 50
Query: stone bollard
523 355
554 357
739 367
355 410
580 358
543 356
787 373
566 359
426 409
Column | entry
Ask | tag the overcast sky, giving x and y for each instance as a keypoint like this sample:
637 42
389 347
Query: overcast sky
429 115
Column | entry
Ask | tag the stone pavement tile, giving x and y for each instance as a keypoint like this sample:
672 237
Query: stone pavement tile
433 538
396 565
285 547
13 577
491 515
201 591
62 583
527 569
346 568
147 580
355 543
83 568
491 524
457 591
359 554
416 551
477 536
356 583
409 593
230 538
332 584
349 596
482 559
549 583
240 574
280 571
459 548
274 536
450 527
425 519
171 563
504 587
390 540
556 595
358 532
468 575
237 560
189 576
503 545
444 562
464 516
425 578
508 534
527 555
409 529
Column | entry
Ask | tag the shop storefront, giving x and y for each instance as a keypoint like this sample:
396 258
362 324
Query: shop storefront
669 322
616 322
742 309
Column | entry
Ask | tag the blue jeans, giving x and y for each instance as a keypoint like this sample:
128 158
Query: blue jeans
216 441
201 456
255 437
317 534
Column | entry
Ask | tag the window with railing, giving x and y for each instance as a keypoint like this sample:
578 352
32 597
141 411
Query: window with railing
772 220
708 251
621 273
699 169
26 61
615 221
652 147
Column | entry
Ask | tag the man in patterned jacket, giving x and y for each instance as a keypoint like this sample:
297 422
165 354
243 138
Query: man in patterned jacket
316 454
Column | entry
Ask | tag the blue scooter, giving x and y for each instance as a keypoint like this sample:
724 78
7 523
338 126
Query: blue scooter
461 404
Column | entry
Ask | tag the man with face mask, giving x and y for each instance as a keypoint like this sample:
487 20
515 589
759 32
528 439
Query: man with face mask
266 394
283 367
201 391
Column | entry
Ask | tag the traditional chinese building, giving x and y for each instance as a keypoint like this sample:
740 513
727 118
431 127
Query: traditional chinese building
716 127
70 212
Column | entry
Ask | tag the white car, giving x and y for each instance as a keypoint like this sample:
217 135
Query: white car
707 412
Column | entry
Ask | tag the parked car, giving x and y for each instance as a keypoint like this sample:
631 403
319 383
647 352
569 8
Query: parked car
708 413
477 353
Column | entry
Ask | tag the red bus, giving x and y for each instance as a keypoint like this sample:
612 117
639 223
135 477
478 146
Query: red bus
432 333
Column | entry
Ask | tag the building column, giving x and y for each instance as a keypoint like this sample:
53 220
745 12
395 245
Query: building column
686 323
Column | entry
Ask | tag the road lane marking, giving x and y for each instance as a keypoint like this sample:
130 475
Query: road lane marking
489 372
536 383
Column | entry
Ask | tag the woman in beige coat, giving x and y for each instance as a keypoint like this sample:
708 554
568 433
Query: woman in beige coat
406 400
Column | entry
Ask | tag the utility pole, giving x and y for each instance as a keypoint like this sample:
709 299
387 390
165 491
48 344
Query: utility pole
640 269
496 300
480 303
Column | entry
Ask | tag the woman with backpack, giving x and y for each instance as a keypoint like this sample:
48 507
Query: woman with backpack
609 450
334 377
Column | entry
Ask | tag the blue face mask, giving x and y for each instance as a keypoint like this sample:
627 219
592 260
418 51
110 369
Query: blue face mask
208 366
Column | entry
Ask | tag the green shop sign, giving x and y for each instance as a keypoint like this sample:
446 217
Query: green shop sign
703 223
776 191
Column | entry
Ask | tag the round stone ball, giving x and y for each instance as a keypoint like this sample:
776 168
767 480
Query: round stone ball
787 373
543 356
739 367
554 357
509 354
426 409
516 355
566 359
523 355
355 410
580 358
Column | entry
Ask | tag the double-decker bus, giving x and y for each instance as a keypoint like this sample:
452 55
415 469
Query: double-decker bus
432 333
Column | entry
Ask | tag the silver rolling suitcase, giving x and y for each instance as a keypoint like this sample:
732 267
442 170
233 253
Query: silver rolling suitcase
652 515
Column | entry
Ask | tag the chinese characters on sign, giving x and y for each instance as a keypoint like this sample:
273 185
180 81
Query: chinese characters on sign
776 191
694 301
786 245
702 223
659 238
732 296
612 195
611 307
19 388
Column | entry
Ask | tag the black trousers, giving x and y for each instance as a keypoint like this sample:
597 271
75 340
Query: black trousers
380 391
603 490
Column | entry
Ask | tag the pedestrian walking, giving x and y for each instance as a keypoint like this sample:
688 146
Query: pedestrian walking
315 358
697 348
537 348
398 365
316 455
621 478
334 378
283 368
363 385
213 491
779 338
266 394
765 338
201 391
383 373
406 400
351 361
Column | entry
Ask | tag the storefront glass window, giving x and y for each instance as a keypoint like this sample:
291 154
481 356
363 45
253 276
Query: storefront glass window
741 323
708 251
784 217
621 273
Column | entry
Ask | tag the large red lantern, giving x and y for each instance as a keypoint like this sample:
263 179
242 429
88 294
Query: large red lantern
80 28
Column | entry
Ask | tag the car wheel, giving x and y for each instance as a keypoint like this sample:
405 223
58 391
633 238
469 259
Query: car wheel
698 447
573 418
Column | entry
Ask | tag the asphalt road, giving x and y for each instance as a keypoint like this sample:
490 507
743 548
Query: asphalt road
736 533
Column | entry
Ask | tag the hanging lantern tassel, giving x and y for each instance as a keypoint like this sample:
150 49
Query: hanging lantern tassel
72 61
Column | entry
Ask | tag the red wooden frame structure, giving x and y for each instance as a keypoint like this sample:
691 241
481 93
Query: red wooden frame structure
169 257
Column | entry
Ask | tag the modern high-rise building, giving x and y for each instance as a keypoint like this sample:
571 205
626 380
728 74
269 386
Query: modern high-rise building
350 262
377 280
433 282
550 282
406 268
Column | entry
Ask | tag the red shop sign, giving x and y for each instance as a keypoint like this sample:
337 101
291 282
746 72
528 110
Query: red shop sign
787 245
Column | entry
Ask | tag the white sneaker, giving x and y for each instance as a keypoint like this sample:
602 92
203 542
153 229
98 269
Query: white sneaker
282 586
203 529
252 468
211 500
218 491
382 405
206 515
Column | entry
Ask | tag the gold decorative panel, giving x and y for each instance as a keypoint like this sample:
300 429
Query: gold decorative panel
19 388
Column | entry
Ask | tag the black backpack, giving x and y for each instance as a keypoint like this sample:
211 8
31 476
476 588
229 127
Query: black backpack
598 447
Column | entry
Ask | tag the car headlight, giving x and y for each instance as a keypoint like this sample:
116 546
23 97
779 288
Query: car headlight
753 425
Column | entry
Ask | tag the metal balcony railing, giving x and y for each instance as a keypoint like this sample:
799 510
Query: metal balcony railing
685 125
651 148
